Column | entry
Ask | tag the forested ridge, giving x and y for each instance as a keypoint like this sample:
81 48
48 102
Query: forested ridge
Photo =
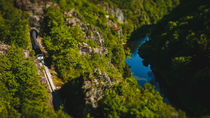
121 96
21 95
179 53
84 43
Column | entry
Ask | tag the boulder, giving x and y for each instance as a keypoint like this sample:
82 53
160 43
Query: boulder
27 5
4 48
94 88
84 49
73 19
117 13
34 21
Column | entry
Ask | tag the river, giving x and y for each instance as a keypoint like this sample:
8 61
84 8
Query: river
143 74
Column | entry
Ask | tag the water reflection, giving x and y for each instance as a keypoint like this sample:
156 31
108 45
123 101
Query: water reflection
141 72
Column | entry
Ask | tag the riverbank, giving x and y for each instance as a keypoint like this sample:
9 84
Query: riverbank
180 59
141 72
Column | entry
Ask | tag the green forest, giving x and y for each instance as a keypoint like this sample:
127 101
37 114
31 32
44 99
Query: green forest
85 45
180 55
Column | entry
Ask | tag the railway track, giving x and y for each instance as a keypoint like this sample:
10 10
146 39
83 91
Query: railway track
40 58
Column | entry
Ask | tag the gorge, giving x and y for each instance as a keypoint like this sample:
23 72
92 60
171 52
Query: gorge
107 58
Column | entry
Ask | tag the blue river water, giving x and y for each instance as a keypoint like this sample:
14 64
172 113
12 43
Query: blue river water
143 74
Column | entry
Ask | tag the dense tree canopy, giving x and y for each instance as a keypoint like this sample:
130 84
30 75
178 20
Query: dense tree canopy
13 25
23 96
125 99
180 54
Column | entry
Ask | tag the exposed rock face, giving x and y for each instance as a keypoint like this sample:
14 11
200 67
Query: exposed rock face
34 21
27 53
84 93
117 13
36 13
101 51
36 10
72 18
4 48
94 88
27 5
90 33
85 49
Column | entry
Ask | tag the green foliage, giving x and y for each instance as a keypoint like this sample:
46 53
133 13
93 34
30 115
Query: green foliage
73 96
88 12
118 57
140 13
19 77
60 35
131 101
179 52
13 25
126 99
181 60
22 95
62 44
53 18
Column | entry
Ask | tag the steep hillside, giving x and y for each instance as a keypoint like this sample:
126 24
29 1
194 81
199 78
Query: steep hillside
84 43
179 53
87 51
22 95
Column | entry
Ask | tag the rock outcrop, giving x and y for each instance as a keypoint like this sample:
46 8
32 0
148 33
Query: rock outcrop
27 5
90 33
94 88
85 49
4 48
35 10
117 13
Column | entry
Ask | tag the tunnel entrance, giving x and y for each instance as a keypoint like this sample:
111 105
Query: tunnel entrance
35 44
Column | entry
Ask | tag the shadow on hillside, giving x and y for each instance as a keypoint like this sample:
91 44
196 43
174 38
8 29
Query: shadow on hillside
57 101
71 98
179 97
137 35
